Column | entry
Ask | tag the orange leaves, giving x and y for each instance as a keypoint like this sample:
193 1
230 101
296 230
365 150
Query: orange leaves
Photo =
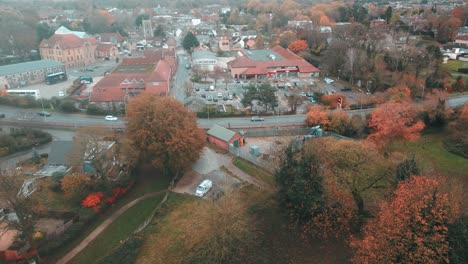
164 131
393 121
298 46
412 227
317 116
92 200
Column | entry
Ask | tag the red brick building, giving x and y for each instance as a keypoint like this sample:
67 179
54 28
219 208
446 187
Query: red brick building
222 137
270 63
132 77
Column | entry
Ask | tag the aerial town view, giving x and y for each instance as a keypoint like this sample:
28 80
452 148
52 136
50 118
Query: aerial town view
233 131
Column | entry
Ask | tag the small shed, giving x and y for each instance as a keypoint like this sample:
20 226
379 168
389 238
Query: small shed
222 137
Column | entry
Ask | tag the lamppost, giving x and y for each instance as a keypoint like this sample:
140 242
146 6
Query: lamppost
361 99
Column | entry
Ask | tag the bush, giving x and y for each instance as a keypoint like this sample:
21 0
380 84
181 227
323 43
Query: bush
68 106
95 110
196 78
56 178
463 70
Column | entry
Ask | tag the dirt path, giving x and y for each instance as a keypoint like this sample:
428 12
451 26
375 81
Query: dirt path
102 227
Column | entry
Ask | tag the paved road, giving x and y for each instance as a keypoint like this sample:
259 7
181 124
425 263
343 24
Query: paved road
84 120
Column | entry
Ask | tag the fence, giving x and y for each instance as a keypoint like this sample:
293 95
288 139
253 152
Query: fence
264 161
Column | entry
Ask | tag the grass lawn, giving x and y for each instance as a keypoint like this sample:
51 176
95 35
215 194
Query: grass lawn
120 229
433 157
254 171
144 184
167 241
454 65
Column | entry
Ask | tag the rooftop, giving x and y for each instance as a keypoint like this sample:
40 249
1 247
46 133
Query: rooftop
262 55
221 132
28 66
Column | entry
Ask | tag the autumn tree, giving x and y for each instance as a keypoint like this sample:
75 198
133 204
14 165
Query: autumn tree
293 101
355 167
332 100
317 116
393 121
412 227
298 46
164 132
23 207
188 88
435 111
76 186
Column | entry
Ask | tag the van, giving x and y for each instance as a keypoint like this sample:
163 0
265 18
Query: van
211 88
86 79
203 188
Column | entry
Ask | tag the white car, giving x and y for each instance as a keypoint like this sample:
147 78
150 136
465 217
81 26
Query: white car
203 188
111 118
61 94
220 95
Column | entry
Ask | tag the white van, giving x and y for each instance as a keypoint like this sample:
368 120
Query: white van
203 188
211 88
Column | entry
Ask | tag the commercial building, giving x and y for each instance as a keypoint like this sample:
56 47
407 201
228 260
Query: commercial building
270 63
132 77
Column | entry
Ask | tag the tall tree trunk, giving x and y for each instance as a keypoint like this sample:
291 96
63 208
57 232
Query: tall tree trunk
359 201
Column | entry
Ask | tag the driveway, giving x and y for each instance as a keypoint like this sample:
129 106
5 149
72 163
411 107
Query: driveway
218 168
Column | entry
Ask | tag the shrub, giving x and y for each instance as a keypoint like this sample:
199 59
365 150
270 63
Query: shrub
95 110
463 70
68 106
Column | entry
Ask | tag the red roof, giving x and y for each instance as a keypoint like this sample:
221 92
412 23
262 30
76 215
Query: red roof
262 67
104 47
158 53
250 43
66 41
107 37
115 86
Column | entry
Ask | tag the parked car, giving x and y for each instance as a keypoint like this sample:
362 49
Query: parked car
203 188
220 95
197 88
111 118
203 95
61 94
207 88
256 119
211 88
309 94
230 97
346 89
43 113
2 115
209 98
215 99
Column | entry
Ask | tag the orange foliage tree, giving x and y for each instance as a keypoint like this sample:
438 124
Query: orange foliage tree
164 132
317 116
394 120
298 46
412 227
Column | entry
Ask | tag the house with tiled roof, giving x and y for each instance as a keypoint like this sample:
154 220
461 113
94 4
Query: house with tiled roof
112 38
131 78
270 63
462 36
73 48
106 50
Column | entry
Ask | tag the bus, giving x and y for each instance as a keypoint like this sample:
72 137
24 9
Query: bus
33 93
57 77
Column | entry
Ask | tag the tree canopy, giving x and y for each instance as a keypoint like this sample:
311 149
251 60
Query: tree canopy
163 132
140 18
190 41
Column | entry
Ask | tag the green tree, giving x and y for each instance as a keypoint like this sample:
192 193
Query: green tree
159 31
388 14
266 95
190 41
406 169
300 187
140 18
249 95
164 133
43 31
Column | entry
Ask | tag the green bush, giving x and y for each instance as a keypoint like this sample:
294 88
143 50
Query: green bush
68 106
95 110
22 139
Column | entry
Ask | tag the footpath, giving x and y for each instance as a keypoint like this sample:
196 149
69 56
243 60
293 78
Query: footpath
102 227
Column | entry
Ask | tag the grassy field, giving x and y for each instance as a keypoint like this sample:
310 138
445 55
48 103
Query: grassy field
120 229
454 65
254 171
275 241
145 183
433 157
